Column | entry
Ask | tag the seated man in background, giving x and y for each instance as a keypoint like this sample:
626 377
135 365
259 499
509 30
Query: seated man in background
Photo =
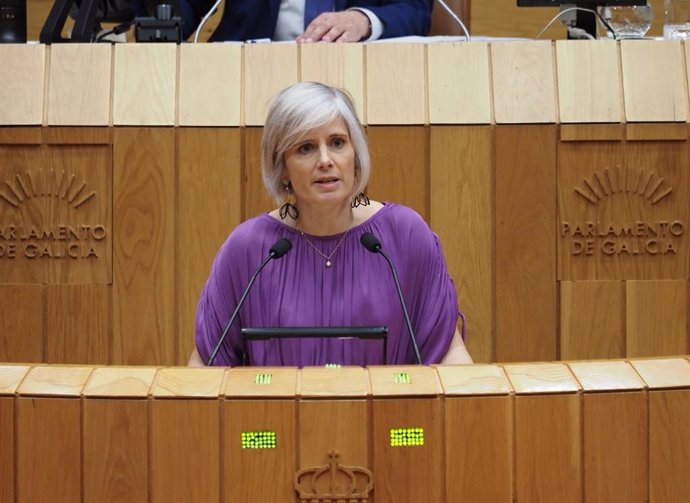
311 20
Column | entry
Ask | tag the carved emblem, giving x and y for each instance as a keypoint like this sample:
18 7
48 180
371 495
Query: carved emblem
628 181
46 184
334 483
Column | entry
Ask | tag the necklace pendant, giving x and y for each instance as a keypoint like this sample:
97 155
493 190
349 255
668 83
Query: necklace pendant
328 263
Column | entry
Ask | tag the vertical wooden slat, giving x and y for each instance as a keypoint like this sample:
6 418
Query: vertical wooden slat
615 429
479 468
399 159
589 81
525 245
656 318
461 186
523 81
144 246
79 84
548 450
185 459
10 377
418 475
21 323
255 198
259 402
396 84
592 319
210 84
116 435
660 99
669 437
459 85
49 435
340 65
144 83
21 84
78 324
268 68
209 191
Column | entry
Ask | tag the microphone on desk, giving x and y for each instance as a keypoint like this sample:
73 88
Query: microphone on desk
279 248
372 243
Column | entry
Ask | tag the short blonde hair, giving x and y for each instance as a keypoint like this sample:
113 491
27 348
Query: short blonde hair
297 110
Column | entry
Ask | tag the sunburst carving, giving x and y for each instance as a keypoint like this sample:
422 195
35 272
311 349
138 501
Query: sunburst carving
46 183
618 180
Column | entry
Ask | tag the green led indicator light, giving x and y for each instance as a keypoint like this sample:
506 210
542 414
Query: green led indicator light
263 379
258 440
401 378
407 437
332 365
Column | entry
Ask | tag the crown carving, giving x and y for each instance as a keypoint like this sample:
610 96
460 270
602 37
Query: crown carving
334 482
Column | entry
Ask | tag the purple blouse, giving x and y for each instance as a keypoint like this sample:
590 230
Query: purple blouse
298 290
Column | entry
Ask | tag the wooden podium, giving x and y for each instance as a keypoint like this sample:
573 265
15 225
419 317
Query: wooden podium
598 431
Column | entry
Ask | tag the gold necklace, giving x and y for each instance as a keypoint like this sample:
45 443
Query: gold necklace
327 257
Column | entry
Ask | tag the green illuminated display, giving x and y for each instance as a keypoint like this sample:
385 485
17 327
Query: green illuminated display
332 365
263 379
401 378
258 440
407 437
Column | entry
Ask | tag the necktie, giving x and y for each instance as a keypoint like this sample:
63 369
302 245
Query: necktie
312 8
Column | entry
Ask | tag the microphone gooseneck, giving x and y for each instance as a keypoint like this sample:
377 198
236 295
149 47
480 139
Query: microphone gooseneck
372 243
279 248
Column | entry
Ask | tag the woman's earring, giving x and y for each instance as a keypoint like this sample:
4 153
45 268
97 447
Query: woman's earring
288 209
360 199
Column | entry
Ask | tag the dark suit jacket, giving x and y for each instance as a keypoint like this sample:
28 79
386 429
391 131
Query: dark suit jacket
248 19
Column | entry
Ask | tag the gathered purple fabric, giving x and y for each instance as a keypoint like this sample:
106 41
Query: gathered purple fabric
297 290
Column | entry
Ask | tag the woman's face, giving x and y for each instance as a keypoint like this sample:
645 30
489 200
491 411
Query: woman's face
321 165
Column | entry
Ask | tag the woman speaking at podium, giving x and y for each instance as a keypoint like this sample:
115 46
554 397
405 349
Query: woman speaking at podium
315 164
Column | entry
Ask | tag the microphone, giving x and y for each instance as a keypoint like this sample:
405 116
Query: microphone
372 243
279 248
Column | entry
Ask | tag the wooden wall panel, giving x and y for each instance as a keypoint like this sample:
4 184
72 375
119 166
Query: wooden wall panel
548 457
259 474
461 186
592 320
7 442
48 450
524 82
525 246
21 323
21 84
589 82
77 319
669 443
616 456
144 246
185 461
419 475
79 85
209 192
267 69
663 98
144 84
340 425
255 200
396 84
459 83
115 437
399 160
657 318
480 468
340 65
210 85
